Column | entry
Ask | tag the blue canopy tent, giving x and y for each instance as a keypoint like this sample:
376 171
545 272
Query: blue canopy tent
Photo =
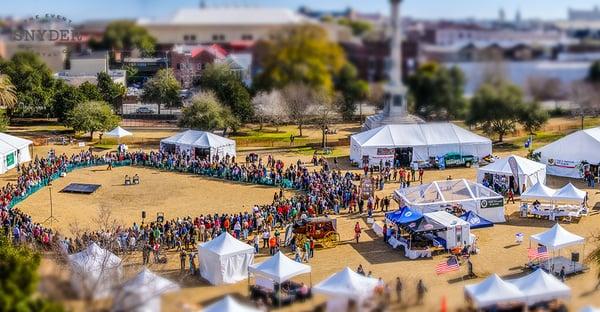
404 215
476 221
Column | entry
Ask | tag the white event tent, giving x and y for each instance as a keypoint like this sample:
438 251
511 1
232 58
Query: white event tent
440 195
118 132
417 142
13 151
95 271
555 239
565 157
279 268
344 286
228 304
494 291
568 193
142 293
539 191
540 286
528 171
225 260
199 143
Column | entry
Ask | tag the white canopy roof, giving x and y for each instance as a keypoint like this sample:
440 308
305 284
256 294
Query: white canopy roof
228 304
140 292
94 259
493 290
445 191
347 284
446 219
578 146
589 309
418 135
279 268
540 286
14 141
524 165
539 191
225 245
557 237
118 132
569 193
198 139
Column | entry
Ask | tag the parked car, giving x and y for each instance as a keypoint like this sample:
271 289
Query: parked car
144 110
458 160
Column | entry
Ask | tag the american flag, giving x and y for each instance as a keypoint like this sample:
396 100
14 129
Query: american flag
539 253
447 266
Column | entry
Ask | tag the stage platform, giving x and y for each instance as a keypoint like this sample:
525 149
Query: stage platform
80 188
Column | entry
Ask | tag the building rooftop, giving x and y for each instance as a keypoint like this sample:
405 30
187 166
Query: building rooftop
90 55
230 16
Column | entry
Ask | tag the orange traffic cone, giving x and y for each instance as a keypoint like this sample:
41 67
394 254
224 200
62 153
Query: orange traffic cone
444 307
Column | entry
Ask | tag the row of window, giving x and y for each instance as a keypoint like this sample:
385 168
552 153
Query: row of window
199 66
216 37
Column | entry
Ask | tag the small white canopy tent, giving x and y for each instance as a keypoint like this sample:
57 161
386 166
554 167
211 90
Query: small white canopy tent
557 237
540 286
564 157
95 272
118 132
440 195
540 192
528 171
228 304
225 260
199 143
344 286
494 291
142 293
569 193
13 151
425 141
279 268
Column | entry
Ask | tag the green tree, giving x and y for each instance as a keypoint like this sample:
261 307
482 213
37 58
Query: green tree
352 89
124 35
229 89
594 257
359 28
92 116
66 97
18 273
299 54
8 93
205 113
437 91
497 109
533 117
594 72
4 122
90 92
163 88
33 82
111 91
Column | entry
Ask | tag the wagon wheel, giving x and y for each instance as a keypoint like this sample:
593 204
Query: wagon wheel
331 239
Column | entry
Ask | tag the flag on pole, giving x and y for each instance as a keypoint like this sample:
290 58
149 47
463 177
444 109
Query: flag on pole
447 266
539 253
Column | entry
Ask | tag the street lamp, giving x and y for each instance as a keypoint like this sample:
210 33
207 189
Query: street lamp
51 217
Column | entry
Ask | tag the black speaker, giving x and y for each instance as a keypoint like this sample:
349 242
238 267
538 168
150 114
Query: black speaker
575 256
143 214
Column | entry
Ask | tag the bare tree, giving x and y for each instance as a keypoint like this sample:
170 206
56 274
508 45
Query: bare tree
269 107
299 100
586 98
545 89
325 112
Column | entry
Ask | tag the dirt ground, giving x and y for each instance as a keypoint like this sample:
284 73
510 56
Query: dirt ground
179 195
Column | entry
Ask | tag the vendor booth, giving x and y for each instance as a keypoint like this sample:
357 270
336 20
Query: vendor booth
224 260
345 287
539 287
556 239
573 155
475 221
273 280
203 144
494 292
543 201
229 304
142 293
95 272
403 144
456 196
458 231
513 172
13 151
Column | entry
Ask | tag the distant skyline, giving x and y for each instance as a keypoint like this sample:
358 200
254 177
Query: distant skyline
433 9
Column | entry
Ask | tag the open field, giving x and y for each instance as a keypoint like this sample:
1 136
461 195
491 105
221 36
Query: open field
180 195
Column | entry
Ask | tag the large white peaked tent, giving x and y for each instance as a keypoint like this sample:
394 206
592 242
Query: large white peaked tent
344 286
557 237
279 268
426 140
13 151
528 171
564 157
95 271
225 260
142 293
494 291
228 304
540 286
199 143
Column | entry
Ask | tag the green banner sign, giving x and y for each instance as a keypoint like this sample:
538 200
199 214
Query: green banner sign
492 203
10 160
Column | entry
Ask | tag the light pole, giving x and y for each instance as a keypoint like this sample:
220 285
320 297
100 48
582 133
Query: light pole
51 217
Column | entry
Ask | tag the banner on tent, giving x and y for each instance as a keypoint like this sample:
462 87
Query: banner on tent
386 151
10 159
562 163
491 203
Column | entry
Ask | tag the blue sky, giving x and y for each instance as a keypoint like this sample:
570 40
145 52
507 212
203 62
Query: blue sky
79 10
